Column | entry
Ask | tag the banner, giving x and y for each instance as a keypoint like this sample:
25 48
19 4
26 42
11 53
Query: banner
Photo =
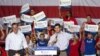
45 51
25 8
27 18
67 24
55 21
65 3
39 16
26 28
40 24
10 19
91 28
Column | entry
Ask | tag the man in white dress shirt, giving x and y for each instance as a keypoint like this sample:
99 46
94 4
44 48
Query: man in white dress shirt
61 40
15 42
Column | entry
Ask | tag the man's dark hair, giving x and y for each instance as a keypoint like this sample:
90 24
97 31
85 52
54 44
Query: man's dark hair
57 25
15 24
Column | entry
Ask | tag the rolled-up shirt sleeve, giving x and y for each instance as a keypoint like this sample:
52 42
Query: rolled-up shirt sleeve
7 43
52 38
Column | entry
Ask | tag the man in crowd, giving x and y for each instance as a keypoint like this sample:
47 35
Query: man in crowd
15 43
60 39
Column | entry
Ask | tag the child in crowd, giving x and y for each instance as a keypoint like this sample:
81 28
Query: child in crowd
41 41
90 43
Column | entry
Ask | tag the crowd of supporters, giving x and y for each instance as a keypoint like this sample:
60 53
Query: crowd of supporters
69 44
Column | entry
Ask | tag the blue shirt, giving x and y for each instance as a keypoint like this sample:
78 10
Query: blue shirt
42 43
90 46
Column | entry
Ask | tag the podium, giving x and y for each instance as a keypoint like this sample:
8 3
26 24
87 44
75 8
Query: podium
45 51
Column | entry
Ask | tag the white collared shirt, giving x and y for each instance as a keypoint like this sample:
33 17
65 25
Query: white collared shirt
15 41
62 40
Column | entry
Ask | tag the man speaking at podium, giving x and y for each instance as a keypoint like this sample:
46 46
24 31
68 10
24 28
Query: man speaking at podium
60 39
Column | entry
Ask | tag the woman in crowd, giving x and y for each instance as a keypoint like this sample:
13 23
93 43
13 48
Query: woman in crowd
74 46
68 17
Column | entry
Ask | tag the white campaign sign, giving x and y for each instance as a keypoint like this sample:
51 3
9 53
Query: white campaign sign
75 28
25 28
40 24
46 52
91 28
67 24
25 7
55 21
39 16
10 19
27 18
65 2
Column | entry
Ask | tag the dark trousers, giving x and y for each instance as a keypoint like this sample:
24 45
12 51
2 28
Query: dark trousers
13 52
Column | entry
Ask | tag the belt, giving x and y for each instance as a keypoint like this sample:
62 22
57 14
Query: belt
16 50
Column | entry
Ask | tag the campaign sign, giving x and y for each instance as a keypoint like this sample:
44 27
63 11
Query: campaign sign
91 28
27 18
55 21
40 24
25 28
10 19
39 16
45 51
67 24
65 3
74 28
25 8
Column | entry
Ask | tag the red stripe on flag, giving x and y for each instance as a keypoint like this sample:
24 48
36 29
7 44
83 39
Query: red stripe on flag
83 11
50 11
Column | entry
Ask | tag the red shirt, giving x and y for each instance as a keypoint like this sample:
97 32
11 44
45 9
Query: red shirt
74 49
90 23
3 52
71 19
